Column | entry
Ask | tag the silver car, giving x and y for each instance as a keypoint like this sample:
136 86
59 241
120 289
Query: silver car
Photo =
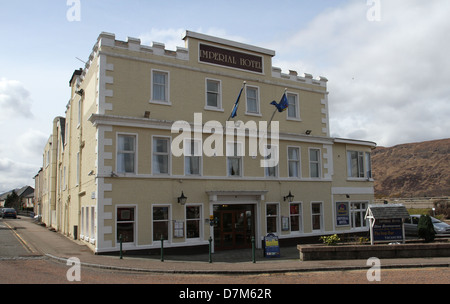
412 222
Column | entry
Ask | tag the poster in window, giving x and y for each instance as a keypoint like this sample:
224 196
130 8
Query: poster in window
342 214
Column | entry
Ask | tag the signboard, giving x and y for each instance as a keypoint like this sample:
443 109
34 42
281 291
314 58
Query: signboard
342 214
388 230
271 246
229 58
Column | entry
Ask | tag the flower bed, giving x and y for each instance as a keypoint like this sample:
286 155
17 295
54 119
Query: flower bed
350 252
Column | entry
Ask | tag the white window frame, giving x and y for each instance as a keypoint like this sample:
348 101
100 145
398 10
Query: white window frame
318 162
169 222
166 88
135 135
315 214
257 101
298 161
277 218
134 221
231 155
197 153
169 155
200 221
269 148
360 212
297 107
300 216
219 106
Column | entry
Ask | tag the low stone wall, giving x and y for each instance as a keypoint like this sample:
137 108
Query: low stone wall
381 251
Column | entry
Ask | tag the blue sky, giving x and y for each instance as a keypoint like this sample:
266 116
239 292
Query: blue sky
388 76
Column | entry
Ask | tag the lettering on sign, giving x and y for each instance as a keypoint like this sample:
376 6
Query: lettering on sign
229 58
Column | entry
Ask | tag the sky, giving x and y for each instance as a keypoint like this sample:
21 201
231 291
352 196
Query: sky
386 61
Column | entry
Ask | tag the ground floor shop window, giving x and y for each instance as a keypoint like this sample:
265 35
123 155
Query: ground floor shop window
296 217
160 222
316 212
272 218
125 224
193 214
358 211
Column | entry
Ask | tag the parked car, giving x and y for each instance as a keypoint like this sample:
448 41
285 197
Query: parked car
9 212
411 224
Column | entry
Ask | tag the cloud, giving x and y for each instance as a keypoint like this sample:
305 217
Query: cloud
14 99
388 80
31 144
15 174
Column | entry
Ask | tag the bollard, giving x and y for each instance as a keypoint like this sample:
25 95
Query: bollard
120 244
162 248
253 250
210 247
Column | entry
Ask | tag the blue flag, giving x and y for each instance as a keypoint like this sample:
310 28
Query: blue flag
236 104
283 105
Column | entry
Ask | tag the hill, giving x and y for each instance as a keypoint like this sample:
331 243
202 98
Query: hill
412 170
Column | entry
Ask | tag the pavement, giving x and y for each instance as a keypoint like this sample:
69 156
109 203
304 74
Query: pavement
41 242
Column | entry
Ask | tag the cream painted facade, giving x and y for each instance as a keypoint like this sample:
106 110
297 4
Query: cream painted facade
110 169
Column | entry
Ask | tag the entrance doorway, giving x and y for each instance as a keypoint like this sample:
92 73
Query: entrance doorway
234 226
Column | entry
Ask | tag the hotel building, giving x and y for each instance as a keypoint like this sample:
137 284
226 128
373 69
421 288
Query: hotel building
113 169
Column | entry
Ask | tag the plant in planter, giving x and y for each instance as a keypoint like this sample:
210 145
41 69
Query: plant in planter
426 229
330 240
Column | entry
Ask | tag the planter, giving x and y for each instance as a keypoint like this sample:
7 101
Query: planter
381 251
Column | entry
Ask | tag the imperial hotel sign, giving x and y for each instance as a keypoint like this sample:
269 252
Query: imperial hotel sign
229 58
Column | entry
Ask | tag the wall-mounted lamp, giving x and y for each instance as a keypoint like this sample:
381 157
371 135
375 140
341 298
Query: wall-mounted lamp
80 92
182 199
308 132
91 173
147 114
289 197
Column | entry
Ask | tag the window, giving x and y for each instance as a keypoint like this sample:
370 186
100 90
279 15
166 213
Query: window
368 165
125 224
293 109
252 100
358 211
160 155
234 159
192 157
213 94
294 162
272 218
92 235
295 217
160 86
272 157
314 163
160 223
126 154
193 220
78 168
359 164
316 213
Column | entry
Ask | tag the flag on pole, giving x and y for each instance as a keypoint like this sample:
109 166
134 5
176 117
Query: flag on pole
236 104
283 105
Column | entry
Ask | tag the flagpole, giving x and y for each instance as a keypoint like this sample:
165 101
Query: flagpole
236 104
274 112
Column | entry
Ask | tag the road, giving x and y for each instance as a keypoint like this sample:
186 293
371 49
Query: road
20 264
